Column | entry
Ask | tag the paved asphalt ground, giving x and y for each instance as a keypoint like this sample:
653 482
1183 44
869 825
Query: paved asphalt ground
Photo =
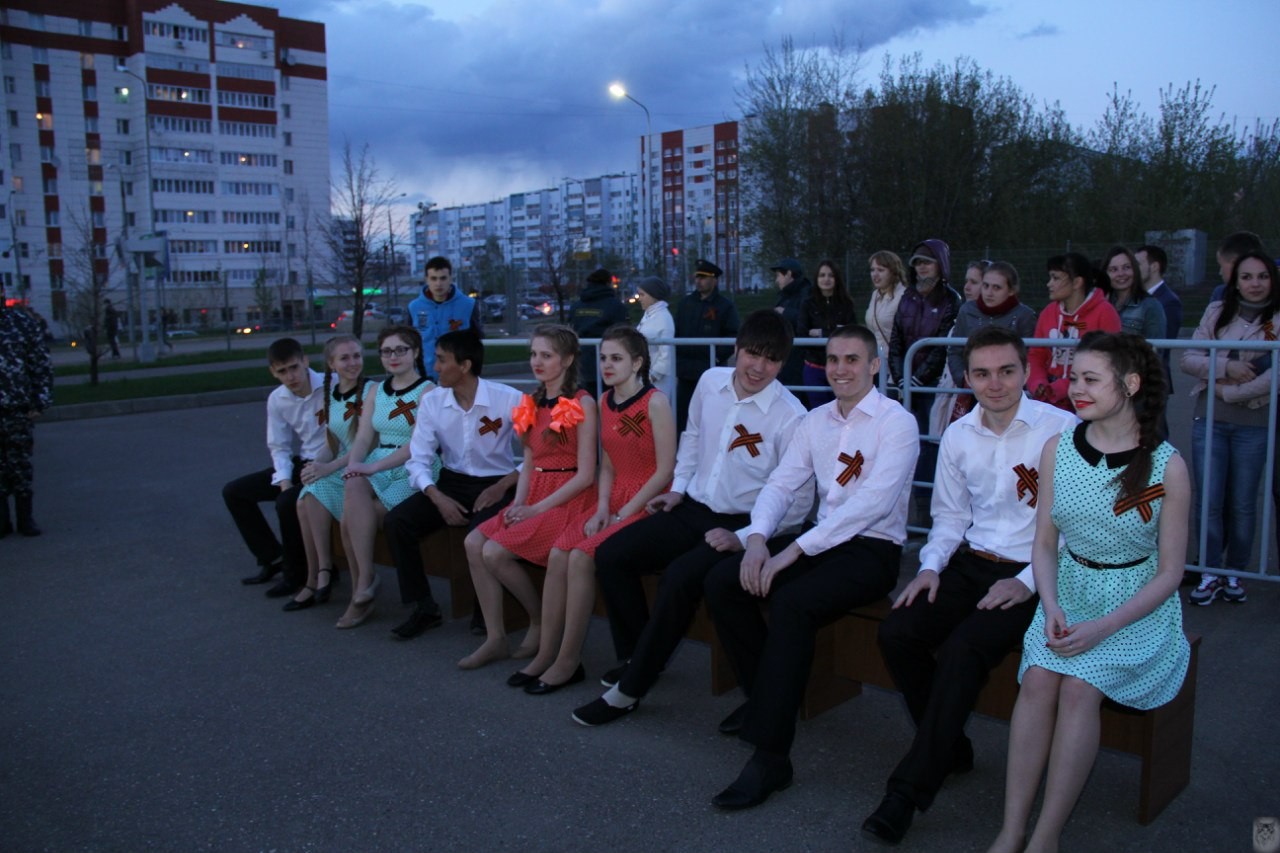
151 702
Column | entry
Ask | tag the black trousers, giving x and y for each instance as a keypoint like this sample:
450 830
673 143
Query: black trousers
772 660
416 516
672 543
17 443
242 497
940 690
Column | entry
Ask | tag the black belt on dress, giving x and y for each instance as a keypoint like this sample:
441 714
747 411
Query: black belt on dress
1092 565
391 446
556 470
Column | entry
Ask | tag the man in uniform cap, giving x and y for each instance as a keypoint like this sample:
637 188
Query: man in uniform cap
707 313
598 307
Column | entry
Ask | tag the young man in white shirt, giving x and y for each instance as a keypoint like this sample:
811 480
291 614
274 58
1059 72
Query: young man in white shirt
295 434
467 423
862 448
741 420
974 595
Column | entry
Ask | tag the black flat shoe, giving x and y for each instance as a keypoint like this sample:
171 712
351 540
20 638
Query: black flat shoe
264 575
423 619
520 679
763 775
323 591
890 822
294 604
542 688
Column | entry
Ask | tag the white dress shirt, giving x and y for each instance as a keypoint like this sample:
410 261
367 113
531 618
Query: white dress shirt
986 486
863 464
478 442
730 446
295 426
657 323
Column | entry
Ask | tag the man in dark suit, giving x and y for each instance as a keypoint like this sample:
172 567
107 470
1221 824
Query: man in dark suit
1152 262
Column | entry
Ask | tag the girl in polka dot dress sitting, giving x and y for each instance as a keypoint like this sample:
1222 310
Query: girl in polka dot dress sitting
1109 624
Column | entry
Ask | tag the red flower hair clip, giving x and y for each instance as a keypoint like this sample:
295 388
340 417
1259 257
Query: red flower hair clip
524 415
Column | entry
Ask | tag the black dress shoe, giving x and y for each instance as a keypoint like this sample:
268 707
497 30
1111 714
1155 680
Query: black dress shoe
542 688
282 588
890 822
613 676
264 575
326 589
732 724
424 618
763 775
520 679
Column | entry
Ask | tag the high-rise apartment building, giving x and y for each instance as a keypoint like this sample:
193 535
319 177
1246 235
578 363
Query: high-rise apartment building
204 122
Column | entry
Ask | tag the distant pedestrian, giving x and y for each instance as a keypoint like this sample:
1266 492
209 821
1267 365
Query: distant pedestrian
111 320
705 314
1152 263
596 309
1126 292
793 290
657 322
889 278
26 390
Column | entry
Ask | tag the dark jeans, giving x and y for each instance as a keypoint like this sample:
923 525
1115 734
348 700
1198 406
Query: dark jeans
940 655
669 542
242 497
416 516
776 655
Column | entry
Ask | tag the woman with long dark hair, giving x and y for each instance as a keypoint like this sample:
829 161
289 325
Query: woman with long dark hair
827 308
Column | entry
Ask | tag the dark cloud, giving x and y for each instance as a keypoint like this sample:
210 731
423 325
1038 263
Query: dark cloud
1040 30
461 109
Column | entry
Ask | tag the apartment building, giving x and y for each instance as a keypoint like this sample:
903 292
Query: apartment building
202 122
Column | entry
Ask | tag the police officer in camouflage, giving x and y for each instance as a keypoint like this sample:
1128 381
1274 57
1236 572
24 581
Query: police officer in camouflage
26 389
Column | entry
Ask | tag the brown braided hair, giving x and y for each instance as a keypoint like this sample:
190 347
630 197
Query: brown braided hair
1129 354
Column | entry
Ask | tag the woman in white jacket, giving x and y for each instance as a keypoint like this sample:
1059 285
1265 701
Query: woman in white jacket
1243 391
653 293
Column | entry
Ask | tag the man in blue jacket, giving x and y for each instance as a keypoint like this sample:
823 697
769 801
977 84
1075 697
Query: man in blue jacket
442 308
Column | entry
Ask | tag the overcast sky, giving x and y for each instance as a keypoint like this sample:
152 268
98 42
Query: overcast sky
464 101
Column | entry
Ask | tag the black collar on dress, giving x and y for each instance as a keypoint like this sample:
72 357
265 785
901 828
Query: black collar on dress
1093 455
625 404
347 395
391 392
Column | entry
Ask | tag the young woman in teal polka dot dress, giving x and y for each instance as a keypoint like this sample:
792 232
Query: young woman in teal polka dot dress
1109 623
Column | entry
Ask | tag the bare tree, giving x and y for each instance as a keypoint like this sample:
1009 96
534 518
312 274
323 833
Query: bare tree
88 270
359 199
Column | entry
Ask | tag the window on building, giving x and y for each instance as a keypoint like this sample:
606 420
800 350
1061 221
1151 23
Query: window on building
19 217
95 188
51 218
122 126
6 50
36 20
288 138
40 55
42 89
128 187
122 94
288 193
90 124
93 156
121 32
89 92
44 121
289 222
24 250
286 110
18 183
126 158
46 153
55 250
13 118
288 167
85 27
99 219
15 152
132 219
10 86
284 82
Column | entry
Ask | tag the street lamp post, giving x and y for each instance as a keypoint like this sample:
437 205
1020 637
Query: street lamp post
619 91
147 354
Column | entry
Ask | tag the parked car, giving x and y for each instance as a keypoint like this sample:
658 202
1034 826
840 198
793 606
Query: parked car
495 306
398 316
374 321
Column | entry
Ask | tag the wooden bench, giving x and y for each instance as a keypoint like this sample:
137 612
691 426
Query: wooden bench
443 556
848 656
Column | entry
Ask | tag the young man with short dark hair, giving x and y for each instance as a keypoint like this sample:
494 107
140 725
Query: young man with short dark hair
466 422
441 308
295 434
862 449
741 420
974 594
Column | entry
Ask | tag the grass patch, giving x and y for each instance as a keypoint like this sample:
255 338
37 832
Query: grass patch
110 365
161 386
